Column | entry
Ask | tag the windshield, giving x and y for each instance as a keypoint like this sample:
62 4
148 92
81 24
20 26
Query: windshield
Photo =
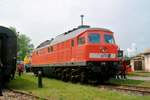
94 38
109 39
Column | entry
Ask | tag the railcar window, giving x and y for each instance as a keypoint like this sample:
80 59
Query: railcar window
94 38
50 49
72 43
81 40
109 39
37 52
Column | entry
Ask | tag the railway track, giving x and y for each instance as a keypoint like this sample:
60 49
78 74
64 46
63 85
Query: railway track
10 94
128 89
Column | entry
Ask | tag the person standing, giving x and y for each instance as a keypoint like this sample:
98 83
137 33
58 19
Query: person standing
20 68
124 69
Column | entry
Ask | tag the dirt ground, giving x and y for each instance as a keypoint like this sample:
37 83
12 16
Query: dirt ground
9 95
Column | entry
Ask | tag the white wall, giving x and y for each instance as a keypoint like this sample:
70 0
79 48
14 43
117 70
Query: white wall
132 65
147 62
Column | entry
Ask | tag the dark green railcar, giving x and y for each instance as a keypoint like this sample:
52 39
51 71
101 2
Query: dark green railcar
8 52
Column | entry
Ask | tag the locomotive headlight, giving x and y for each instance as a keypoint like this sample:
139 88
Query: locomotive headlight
113 55
103 49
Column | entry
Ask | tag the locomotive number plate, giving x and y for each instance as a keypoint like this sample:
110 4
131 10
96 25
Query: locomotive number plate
101 55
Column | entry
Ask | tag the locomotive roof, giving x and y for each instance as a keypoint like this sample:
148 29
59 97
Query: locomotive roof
47 42
68 35
73 33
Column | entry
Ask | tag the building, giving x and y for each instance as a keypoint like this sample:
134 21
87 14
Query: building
147 61
141 62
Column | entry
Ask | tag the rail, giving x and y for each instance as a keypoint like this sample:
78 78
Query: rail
11 94
125 88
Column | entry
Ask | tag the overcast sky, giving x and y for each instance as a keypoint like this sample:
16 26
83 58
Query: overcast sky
44 19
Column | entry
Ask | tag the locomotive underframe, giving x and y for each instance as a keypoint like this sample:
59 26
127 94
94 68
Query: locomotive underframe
92 71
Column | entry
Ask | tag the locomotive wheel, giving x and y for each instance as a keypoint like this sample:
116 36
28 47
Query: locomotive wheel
73 76
100 78
83 78
77 78
73 79
67 75
58 73
63 75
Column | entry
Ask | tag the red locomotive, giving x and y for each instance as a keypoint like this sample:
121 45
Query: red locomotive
82 54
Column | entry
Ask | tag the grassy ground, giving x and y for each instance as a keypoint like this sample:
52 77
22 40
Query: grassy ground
133 82
130 82
58 90
140 73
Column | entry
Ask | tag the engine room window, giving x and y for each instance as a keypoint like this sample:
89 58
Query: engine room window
81 40
94 38
50 49
109 39
37 52
72 43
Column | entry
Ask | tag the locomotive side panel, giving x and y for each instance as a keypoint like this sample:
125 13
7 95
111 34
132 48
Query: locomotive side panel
62 52
78 51
82 50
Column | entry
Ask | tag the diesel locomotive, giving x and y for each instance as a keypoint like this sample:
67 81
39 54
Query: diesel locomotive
81 54
8 52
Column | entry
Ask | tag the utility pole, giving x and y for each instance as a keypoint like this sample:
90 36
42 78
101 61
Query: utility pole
81 19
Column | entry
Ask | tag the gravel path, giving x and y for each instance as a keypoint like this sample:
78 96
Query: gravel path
139 78
10 95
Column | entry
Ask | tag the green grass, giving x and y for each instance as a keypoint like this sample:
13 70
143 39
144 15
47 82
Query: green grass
125 82
58 90
130 82
140 73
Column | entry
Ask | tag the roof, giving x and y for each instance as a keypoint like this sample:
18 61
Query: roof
6 31
68 35
146 52
47 42
71 34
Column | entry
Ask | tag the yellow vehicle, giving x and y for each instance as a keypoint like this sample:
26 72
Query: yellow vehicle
27 63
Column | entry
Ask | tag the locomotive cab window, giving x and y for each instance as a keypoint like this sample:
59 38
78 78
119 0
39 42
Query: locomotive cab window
94 38
81 40
109 39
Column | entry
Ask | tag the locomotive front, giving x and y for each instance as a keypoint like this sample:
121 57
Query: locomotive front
101 53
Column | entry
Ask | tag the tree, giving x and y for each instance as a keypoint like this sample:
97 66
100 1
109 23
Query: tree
24 45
